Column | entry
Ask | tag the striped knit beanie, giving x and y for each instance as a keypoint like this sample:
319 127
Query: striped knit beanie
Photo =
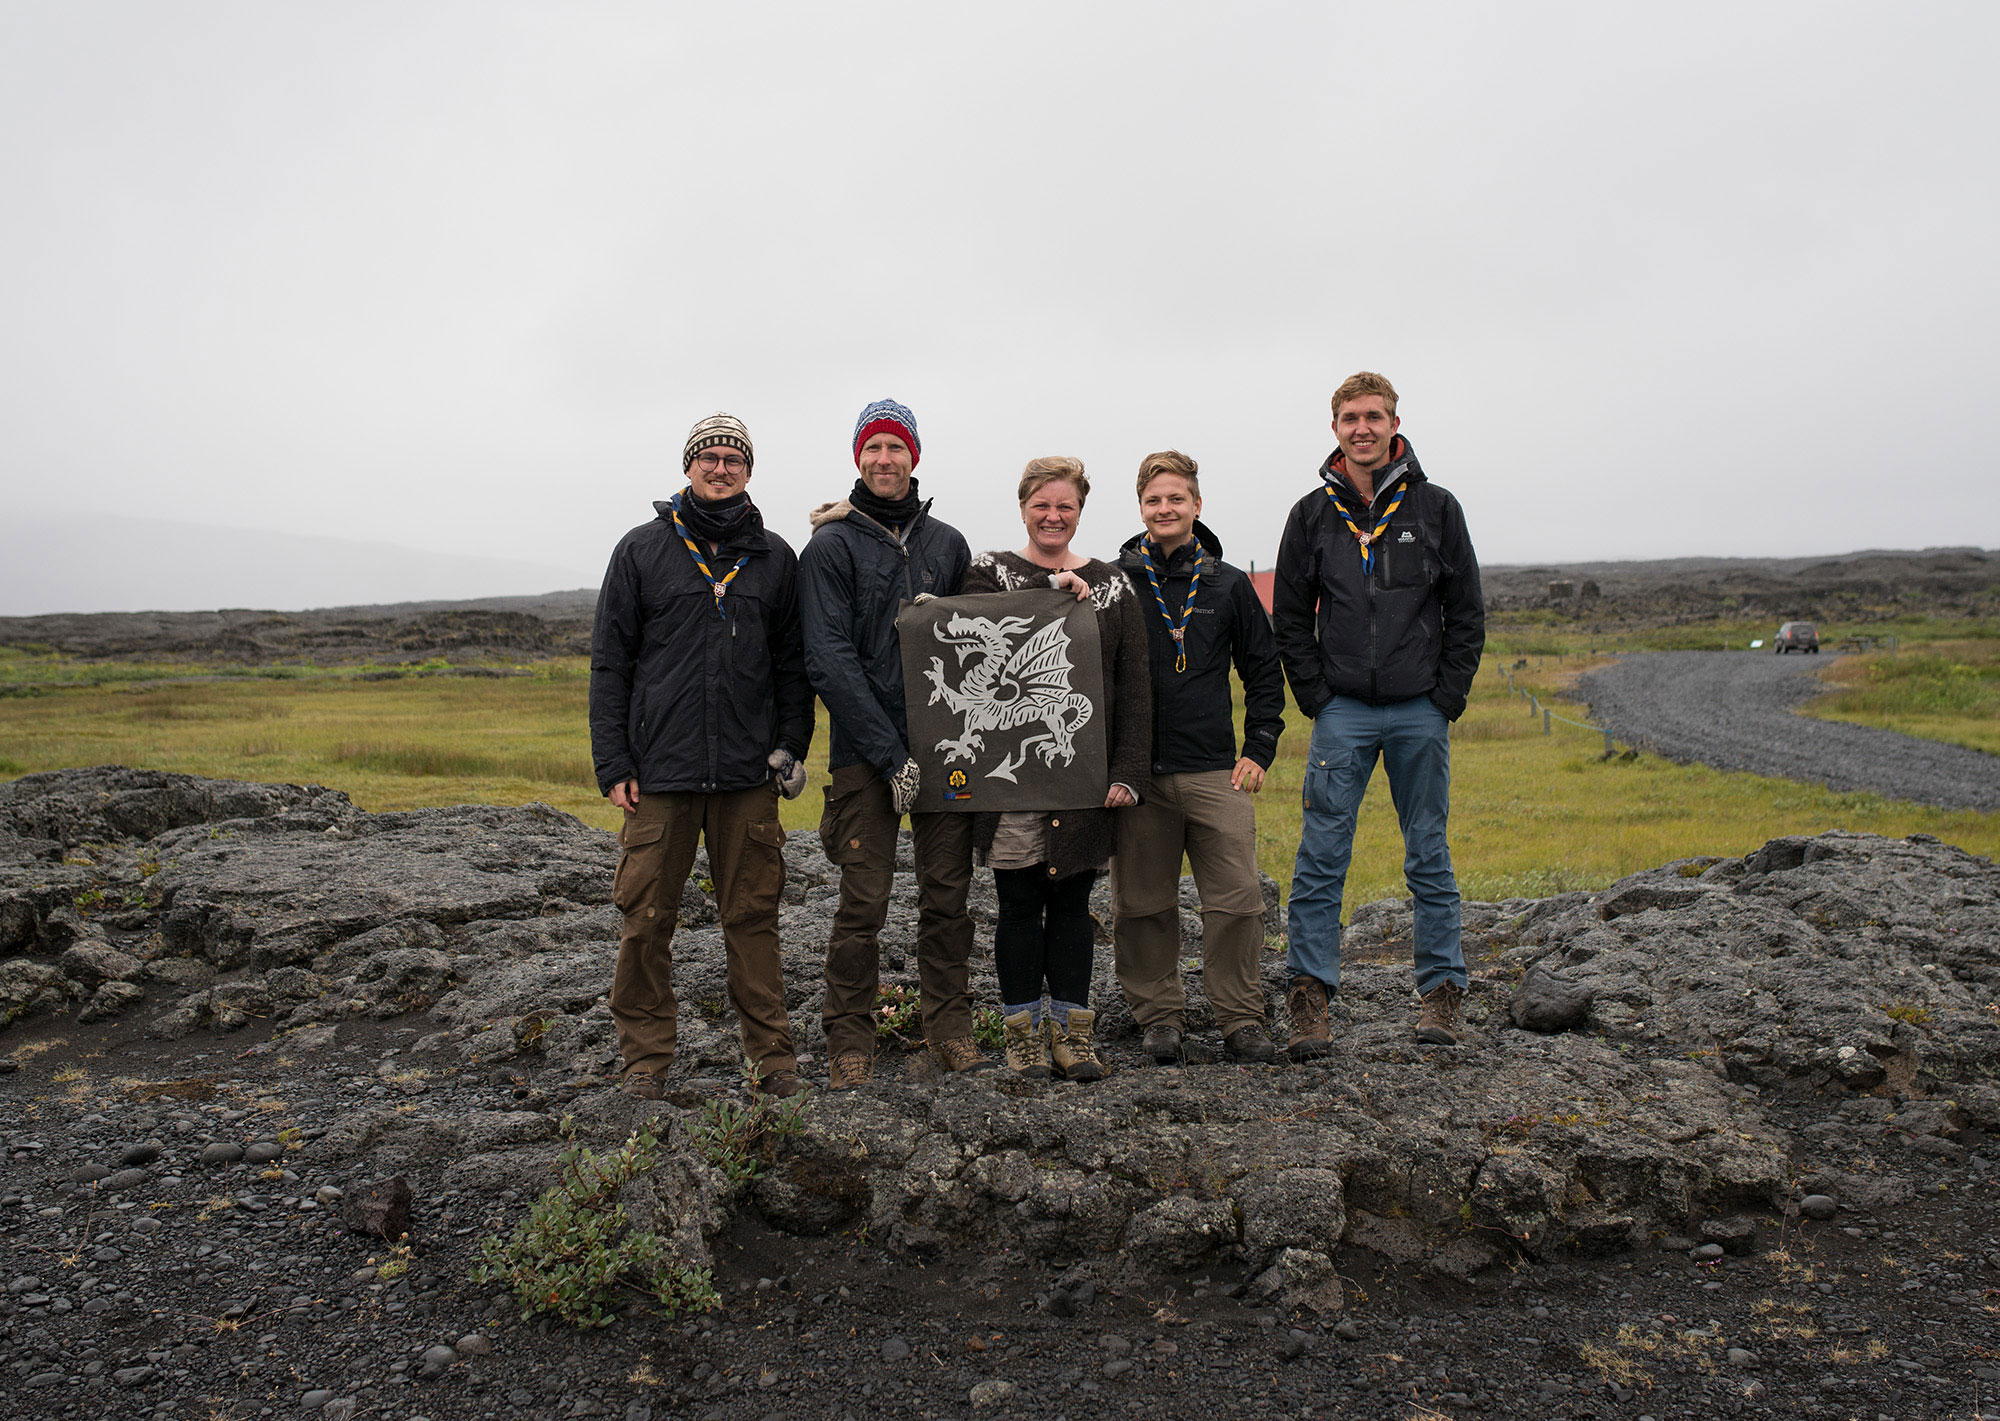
887 415
719 429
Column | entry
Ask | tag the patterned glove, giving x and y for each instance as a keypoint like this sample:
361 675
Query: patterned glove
788 772
923 597
903 787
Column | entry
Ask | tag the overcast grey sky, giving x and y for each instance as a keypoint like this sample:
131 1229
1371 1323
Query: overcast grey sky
1652 281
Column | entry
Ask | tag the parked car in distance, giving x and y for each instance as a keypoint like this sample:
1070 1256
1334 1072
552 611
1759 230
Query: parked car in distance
1796 636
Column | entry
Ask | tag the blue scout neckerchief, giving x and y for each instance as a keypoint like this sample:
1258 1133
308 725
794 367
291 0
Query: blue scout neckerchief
1177 631
1381 526
718 585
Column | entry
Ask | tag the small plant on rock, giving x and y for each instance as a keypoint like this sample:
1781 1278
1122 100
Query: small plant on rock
989 1028
741 1138
576 1250
899 1014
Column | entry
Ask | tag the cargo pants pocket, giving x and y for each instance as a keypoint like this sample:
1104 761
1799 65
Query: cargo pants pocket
760 871
640 864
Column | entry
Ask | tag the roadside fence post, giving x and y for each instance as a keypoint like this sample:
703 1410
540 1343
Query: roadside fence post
1609 750
1545 722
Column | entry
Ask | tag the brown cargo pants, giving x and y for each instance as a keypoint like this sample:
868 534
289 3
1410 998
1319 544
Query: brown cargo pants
1216 827
747 865
858 831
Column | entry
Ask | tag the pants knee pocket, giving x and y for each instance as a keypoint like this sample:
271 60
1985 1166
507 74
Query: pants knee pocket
639 866
760 871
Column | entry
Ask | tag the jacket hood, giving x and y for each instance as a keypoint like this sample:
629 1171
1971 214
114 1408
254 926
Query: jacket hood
1128 551
1402 465
844 510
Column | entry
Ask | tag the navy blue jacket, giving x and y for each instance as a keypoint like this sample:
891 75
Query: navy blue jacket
854 577
1194 716
680 698
1412 626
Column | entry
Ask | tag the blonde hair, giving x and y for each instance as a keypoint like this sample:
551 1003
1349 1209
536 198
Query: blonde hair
1169 461
1053 468
1365 382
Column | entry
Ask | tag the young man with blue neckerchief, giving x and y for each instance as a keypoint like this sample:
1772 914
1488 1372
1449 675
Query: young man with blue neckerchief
700 715
1380 623
1202 617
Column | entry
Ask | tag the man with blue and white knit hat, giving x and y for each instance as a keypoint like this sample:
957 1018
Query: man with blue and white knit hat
870 552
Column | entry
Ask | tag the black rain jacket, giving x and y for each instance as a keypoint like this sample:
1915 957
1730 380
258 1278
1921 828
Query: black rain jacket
1194 719
684 700
1413 627
854 576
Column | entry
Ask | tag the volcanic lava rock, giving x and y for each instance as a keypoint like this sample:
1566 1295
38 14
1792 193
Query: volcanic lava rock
381 1209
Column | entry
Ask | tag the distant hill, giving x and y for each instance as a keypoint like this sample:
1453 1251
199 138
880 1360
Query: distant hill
71 563
1594 596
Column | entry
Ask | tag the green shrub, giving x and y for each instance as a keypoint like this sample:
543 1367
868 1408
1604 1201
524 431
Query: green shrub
899 1014
741 1138
989 1027
576 1249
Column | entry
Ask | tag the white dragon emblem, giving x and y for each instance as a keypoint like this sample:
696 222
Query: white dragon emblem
1010 687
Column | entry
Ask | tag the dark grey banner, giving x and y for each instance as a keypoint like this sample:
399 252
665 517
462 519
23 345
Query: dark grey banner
1005 692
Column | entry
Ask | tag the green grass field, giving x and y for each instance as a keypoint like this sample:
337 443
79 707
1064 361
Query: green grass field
1532 814
1942 690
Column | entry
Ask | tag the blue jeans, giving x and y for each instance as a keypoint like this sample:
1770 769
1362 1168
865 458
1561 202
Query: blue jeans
1412 739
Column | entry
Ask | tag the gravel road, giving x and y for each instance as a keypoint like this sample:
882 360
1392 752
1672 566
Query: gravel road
1734 710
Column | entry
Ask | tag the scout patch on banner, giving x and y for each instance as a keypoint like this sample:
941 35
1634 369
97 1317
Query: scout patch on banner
1005 694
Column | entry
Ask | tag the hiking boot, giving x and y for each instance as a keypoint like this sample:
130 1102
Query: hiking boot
1027 1052
1306 1004
1070 1047
1439 1023
850 1070
961 1053
1250 1043
1163 1043
781 1085
645 1085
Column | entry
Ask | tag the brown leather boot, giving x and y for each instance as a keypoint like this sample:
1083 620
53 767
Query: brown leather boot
781 1085
1071 1049
1163 1043
1249 1043
1311 1034
1439 1022
961 1053
645 1085
1027 1052
850 1070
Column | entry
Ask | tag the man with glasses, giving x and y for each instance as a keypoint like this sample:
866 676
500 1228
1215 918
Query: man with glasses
870 552
700 716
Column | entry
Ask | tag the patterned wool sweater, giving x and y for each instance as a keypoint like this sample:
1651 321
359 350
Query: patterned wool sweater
1082 839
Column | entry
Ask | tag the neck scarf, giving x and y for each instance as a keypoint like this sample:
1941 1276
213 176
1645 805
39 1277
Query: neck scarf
1367 540
685 506
1176 630
718 520
892 512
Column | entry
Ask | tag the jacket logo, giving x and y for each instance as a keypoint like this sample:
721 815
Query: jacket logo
1407 537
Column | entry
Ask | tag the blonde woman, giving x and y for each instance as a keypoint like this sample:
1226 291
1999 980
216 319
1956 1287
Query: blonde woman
1044 864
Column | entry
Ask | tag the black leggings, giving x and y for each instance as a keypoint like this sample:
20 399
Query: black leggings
1044 936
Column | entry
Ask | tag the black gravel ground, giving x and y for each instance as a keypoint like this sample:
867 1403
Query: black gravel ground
190 1284
1734 710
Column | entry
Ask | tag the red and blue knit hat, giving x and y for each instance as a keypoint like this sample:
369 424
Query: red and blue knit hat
890 417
